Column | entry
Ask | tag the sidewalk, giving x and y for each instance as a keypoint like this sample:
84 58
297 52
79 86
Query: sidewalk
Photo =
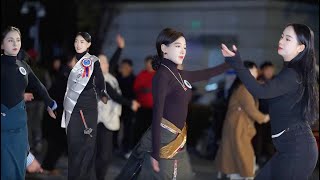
204 169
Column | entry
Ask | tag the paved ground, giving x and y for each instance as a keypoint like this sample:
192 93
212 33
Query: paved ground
204 169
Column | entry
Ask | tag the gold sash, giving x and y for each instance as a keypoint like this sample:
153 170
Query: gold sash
171 149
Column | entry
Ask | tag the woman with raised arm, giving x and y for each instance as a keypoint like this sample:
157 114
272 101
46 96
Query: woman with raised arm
161 153
293 99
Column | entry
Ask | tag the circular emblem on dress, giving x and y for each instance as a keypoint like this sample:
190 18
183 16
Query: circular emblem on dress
187 84
22 71
86 62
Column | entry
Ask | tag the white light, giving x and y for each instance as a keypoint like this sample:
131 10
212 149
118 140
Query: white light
211 87
24 9
41 12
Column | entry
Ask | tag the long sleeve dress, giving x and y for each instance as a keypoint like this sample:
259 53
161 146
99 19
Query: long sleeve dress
16 75
165 140
81 146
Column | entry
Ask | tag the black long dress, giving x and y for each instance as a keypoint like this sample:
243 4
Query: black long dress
82 147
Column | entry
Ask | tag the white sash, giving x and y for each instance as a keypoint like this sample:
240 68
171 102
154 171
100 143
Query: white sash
76 84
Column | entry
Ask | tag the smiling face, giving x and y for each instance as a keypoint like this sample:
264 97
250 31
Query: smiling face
81 45
175 51
11 43
289 46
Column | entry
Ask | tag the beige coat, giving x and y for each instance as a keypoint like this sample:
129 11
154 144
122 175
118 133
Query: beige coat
236 154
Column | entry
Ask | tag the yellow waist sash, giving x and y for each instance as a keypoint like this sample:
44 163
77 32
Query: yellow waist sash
170 150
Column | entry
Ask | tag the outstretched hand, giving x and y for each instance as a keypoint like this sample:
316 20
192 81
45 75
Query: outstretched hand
226 52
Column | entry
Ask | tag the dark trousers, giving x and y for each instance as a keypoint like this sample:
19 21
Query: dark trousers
127 120
82 147
56 138
104 151
296 155
142 123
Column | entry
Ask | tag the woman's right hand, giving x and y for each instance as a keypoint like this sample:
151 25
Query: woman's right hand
155 164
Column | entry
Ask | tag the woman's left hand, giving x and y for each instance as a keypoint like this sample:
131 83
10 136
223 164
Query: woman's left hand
51 109
51 113
226 52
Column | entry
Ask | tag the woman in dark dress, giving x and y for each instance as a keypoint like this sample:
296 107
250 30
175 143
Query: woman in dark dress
16 75
161 152
85 87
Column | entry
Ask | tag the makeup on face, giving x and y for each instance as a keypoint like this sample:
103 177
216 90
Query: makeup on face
176 51
288 44
80 44
11 43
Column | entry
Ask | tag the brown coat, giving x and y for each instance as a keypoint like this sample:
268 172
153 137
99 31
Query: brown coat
236 154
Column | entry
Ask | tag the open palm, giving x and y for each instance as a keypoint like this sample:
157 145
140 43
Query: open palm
226 52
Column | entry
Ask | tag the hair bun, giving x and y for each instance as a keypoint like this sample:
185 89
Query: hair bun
156 62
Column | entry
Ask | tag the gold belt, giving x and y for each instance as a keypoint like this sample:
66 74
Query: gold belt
171 149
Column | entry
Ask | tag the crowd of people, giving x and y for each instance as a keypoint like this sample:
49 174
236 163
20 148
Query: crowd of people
97 107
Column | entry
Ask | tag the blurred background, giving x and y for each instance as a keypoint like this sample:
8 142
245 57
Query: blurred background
49 27
255 26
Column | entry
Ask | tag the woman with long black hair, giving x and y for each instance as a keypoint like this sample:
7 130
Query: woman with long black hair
293 99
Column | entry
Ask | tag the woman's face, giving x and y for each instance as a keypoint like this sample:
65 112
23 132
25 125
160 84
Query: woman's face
11 43
254 72
289 46
176 51
80 44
